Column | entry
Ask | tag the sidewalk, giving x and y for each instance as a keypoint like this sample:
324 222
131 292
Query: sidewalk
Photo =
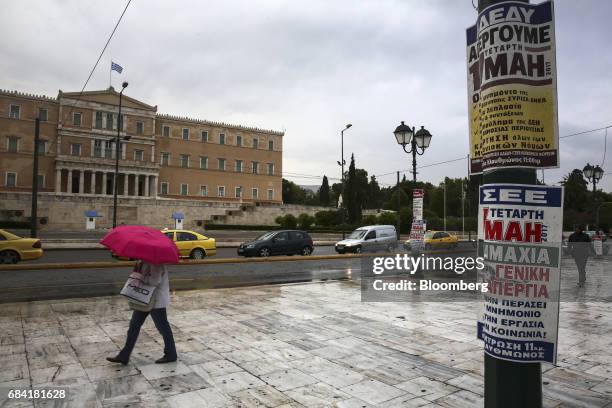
312 345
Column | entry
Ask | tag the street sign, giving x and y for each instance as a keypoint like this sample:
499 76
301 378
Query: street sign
512 90
520 233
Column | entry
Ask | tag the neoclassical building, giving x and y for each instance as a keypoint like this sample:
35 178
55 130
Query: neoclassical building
160 155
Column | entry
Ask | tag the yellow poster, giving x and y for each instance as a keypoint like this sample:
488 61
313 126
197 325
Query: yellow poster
512 92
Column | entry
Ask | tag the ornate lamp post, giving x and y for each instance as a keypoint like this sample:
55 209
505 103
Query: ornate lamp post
417 142
593 174
342 163
117 149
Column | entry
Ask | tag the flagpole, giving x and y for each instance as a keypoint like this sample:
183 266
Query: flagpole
110 73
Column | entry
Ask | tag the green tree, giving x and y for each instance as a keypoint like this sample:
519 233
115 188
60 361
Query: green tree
324 192
305 221
351 195
576 191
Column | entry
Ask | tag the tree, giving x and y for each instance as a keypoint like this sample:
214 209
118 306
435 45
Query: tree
374 194
576 191
324 192
353 197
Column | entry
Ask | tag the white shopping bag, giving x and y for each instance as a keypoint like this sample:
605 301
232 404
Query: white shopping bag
136 290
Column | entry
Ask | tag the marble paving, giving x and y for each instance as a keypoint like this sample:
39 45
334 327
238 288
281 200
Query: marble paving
297 345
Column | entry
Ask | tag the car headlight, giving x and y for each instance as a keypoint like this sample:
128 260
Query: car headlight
250 246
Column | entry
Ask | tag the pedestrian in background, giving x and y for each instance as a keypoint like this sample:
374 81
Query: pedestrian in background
155 275
579 245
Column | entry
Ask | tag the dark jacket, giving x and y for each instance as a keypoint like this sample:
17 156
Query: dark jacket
580 245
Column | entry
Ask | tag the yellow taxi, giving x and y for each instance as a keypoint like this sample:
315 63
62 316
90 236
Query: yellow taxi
14 248
437 240
192 245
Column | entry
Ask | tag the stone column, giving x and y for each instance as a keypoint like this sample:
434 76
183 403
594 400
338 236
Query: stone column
69 182
58 180
103 183
126 179
146 185
92 188
154 193
81 181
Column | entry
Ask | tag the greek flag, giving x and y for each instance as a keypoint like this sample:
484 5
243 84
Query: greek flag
116 67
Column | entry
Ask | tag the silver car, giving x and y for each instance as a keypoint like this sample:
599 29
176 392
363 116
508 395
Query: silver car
370 238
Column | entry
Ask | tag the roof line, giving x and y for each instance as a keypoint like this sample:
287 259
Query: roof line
222 124
27 95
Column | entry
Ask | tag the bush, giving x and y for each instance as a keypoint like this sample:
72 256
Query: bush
305 221
387 218
288 221
328 218
369 220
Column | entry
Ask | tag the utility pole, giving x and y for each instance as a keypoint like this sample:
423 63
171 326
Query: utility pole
445 205
510 384
34 211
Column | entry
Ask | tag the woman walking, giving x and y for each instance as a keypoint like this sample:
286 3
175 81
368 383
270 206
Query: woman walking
154 275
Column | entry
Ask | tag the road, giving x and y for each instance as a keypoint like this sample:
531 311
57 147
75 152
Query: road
23 285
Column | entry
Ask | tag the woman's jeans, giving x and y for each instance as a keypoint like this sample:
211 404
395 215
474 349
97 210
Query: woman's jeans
161 322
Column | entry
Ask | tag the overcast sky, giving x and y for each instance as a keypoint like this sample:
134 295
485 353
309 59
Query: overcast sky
308 67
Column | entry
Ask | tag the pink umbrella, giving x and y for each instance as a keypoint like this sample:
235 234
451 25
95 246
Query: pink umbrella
138 242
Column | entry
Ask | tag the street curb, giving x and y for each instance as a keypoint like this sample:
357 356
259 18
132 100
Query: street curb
96 245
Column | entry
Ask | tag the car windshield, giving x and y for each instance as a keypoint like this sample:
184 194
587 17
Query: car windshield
429 235
264 236
357 234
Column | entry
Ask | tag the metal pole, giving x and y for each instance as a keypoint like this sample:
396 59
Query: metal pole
509 384
462 210
414 153
117 143
398 205
34 210
445 205
342 164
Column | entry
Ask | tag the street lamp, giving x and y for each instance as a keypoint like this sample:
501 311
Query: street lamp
593 174
342 163
418 142
117 144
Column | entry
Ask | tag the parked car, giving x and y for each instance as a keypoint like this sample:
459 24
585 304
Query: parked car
437 240
191 244
370 238
14 248
286 242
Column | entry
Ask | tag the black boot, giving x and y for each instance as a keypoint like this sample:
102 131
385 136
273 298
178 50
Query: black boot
117 359
165 359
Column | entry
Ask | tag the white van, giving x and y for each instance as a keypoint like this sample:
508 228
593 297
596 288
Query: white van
370 238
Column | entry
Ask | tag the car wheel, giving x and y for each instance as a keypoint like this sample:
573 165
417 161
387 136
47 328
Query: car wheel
9 257
263 252
306 250
358 250
390 248
197 254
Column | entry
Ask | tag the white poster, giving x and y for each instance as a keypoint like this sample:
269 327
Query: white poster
519 234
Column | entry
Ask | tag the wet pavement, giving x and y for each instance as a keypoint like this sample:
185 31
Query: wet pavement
293 345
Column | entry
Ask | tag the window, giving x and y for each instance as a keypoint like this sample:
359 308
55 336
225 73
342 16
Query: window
97 148
255 143
166 131
270 169
75 149
76 118
43 114
109 121
98 120
205 136
238 192
11 179
282 236
41 181
204 191
239 166
170 235
139 128
270 194
42 147
255 167
184 159
222 138
185 236
12 143
139 155
15 112
221 164
270 144
184 189
203 162
163 187
255 192
371 235
185 134
164 159
238 140
221 191
297 236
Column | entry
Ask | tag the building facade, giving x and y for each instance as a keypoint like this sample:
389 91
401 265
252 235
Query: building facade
161 156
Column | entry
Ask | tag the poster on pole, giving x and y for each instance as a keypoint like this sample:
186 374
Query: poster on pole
519 237
512 89
417 203
417 229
